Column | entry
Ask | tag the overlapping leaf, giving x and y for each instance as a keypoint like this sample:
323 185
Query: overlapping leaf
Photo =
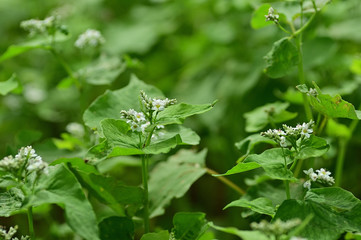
189 226
259 205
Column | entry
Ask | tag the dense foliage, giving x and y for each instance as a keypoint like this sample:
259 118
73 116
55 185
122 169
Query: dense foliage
187 120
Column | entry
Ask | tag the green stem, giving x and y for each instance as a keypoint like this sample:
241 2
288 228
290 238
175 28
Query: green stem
283 29
322 126
298 168
145 187
31 223
226 181
340 161
286 182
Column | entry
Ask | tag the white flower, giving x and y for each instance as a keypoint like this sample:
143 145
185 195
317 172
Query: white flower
322 173
158 105
139 116
313 176
135 127
307 184
312 92
271 16
306 129
144 126
90 38
283 142
37 164
309 171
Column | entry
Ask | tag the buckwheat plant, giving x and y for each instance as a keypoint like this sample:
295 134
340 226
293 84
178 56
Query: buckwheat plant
8 235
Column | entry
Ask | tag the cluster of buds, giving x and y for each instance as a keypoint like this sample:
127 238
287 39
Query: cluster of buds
154 104
321 176
271 16
312 92
289 134
26 161
277 228
8 235
35 26
136 120
90 38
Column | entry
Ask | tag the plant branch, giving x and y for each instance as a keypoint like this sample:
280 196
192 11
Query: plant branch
31 222
226 181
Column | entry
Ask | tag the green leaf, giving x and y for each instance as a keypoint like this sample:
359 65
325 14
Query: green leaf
113 228
189 226
61 187
259 205
258 17
10 202
335 129
334 211
245 235
260 117
8 85
41 43
102 71
312 147
173 178
247 145
162 235
332 107
281 59
271 160
111 103
175 114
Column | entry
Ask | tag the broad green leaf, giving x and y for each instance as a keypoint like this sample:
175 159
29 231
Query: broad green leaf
336 129
111 103
113 228
162 235
122 141
102 71
8 85
260 117
258 17
334 211
61 187
42 43
259 205
354 236
106 189
189 226
247 145
291 95
175 114
272 161
173 178
281 59
245 235
10 202
312 147
333 107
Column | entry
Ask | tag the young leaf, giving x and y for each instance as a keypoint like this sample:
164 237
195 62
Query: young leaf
111 103
162 235
189 226
173 178
116 228
259 205
245 235
260 117
247 145
334 211
271 160
282 57
8 85
61 187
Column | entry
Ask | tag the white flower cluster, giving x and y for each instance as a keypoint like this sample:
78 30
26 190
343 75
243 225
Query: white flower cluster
8 235
155 104
271 16
278 227
136 120
90 38
289 133
34 26
321 175
26 159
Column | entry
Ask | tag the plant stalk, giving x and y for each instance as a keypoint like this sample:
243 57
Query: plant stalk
286 182
226 181
340 161
145 187
31 223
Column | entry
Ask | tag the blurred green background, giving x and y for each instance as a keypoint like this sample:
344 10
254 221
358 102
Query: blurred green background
193 50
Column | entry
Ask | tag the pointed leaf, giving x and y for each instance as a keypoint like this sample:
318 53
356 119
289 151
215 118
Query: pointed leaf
313 147
189 226
116 228
8 85
162 235
245 235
